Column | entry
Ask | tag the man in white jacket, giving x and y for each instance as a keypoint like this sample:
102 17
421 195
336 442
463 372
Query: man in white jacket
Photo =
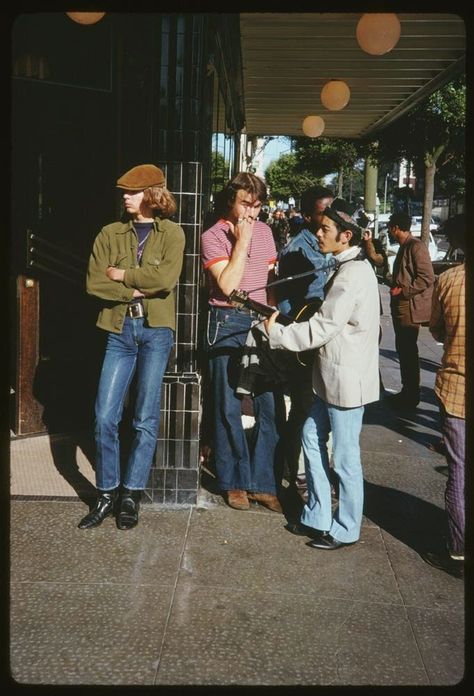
345 333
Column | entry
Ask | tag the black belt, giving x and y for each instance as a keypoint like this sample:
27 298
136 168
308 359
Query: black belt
135 310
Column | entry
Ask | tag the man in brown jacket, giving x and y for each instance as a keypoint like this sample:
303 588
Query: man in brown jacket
410 304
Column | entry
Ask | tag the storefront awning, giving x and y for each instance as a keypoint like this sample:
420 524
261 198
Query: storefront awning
288 57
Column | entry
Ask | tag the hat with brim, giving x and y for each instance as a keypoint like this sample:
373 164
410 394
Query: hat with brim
338 213
141 177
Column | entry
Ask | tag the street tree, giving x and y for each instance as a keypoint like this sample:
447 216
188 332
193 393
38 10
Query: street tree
285 177
432 136
326 156
255 147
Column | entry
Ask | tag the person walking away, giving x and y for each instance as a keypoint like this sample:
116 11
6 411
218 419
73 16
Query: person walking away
133 269
238 252
345 377
410 306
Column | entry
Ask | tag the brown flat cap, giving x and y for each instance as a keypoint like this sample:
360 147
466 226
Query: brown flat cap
141 177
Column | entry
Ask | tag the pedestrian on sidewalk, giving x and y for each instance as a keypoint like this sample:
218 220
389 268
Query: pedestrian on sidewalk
134 268
345 376
238 252
448 325
410 304
280 227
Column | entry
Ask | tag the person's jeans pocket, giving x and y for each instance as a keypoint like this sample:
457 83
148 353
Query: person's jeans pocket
216 321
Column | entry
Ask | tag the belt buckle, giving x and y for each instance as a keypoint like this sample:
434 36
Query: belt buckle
135 310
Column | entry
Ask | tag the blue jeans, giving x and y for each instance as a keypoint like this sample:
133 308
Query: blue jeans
239 466
144 350
346 424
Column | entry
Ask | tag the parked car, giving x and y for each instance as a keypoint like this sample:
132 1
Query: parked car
382 219
416 225
452 257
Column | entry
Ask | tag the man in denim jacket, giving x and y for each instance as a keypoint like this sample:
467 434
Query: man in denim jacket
300 255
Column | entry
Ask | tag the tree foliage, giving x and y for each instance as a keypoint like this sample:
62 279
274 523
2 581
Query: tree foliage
432 136
433 128
326 156
220 172
352 184
286 178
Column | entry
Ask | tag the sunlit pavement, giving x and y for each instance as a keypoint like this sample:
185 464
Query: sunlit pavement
207 595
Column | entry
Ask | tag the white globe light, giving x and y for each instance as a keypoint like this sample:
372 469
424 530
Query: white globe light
85 17
335 95
378 32
313 126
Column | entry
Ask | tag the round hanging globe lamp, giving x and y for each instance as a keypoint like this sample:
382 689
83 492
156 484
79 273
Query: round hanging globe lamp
313 126
335 95
378 32
85 17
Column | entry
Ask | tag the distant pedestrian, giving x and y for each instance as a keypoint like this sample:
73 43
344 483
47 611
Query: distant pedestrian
280 228
448 324
412 287
296 222
133 269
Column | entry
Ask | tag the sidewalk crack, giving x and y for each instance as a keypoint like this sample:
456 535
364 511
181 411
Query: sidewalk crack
173 594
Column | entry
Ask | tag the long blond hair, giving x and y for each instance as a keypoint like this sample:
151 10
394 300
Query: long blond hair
159 198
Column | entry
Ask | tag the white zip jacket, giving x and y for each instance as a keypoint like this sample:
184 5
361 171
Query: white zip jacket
345 332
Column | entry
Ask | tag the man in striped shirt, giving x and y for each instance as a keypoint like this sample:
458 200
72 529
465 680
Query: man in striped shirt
238 252
448 324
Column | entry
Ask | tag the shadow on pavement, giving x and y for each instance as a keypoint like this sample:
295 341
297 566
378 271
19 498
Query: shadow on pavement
411 424
64 451
415 522
425 364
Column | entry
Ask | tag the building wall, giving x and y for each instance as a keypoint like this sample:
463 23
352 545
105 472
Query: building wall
137 88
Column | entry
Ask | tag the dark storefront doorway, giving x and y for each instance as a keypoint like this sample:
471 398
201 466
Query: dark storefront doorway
64 163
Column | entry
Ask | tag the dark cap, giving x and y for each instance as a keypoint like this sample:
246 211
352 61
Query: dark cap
141 177
338 212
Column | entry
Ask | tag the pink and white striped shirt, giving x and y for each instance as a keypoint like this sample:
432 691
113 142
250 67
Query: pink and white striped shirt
217 244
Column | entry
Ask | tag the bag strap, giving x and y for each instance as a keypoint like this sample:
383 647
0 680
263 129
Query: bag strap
360 257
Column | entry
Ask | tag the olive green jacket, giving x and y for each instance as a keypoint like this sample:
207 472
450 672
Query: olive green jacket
156 276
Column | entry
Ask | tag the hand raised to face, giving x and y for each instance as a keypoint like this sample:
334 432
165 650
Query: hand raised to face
243 227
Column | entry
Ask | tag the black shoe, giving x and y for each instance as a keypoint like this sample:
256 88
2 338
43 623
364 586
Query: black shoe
442 561
103 508
328 542
128 509
302 530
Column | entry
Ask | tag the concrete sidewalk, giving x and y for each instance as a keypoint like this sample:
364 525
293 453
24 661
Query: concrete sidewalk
207 595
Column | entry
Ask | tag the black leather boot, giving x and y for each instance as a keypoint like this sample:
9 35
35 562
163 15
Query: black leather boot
128 509
103 508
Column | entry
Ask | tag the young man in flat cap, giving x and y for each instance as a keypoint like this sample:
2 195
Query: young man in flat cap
345 330
134 268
